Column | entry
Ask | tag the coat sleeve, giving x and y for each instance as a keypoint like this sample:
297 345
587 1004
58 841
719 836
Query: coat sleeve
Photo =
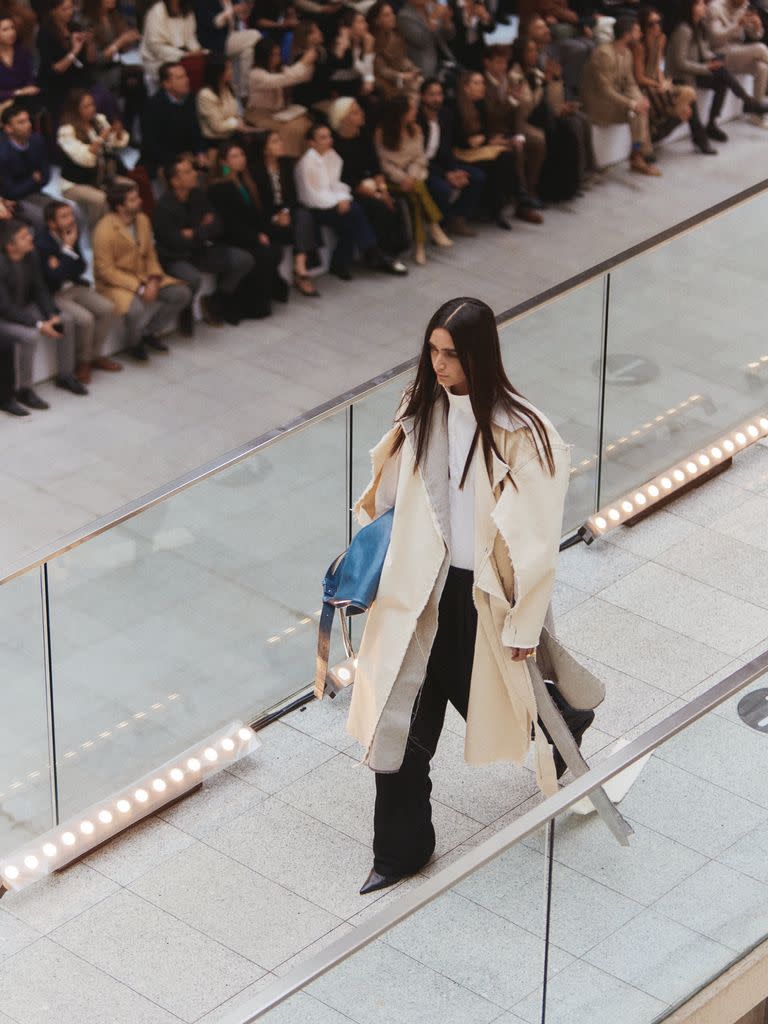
105 268
529 517
603 65
379 495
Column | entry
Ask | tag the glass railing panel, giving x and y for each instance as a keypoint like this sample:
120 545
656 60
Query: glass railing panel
26 808
687 353
196 612
553 356
650 925
372 416
471 956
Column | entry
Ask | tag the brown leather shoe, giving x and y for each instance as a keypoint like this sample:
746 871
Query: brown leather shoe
460 227
529 215
83 373
105 363
640 165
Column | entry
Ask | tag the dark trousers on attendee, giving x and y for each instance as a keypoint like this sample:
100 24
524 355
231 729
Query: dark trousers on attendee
466 202
7 370
228 263
353 230
719 81
404 837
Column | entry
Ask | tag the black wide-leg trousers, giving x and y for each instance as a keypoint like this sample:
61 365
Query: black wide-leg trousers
404 837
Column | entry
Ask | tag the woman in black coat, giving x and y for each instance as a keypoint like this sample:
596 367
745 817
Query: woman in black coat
236 200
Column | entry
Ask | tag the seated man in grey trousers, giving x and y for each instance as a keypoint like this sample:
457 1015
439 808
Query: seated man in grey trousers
128 272
29 313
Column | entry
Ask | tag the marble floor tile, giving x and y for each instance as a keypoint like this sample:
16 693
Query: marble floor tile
314 948
660 957
46 983
210 809
750 469
285 755
628 701
325 720
729 565
595 567
749 855
157 955
379 985
705 503
59 897
145 845
235 906
746 522
14 935
653 535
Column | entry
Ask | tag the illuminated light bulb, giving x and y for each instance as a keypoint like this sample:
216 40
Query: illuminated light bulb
68 839
156 707
658 419
123 806
610 447
614 515
623 440
210 754
671 412
121 725
355 662
627 506
653 490
679 475
140 714
159 786
344 674
703 460
666 483
753 431
177 774
716 453
87 827
740 438
289 629
634 433
273 639
11 873
692 467
640 498
193 764
105 735
647 426
173 696
227 744
31 862
763 423
753 366
600 523
141 795
105 817
49 850
244 734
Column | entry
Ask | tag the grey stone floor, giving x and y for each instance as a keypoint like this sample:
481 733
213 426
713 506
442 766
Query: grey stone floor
194 911
85 457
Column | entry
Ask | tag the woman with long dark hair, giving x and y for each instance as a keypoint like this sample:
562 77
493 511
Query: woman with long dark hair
217 108
269 107
113 35
670 103
477 477
66 52
168 35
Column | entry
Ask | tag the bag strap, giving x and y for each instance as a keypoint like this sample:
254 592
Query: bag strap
569 751
323 651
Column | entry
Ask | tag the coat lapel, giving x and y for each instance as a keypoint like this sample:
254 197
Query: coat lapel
434 468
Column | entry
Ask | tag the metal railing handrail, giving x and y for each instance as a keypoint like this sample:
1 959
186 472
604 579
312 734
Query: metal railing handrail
334 405
341 949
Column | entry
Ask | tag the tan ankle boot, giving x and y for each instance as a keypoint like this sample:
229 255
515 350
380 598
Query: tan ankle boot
439 237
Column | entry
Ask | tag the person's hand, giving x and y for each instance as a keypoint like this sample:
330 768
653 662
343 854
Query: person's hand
208 218
151 290
53 262
263 239
95 146
553 70
587 32
343 206
282 218
367 88
48 327
37 176
714 65
27 90
476 140
187 233
70 236
406 184
641 105
521 653
551 19
569 107
78 42
309 56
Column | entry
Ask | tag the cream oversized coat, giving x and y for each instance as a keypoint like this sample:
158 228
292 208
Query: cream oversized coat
517 537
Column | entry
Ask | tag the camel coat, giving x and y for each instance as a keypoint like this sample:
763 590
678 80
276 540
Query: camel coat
518 521
608 88
122 263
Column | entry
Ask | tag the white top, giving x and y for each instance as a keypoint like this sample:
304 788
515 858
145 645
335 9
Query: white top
318 180
432 143
461 430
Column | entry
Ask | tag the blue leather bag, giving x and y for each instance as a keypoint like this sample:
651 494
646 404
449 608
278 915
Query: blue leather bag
350 585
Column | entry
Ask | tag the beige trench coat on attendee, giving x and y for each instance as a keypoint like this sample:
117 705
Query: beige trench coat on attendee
518 522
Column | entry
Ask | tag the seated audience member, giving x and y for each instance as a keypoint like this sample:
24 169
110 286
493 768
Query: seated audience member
218 112
394 71
90 148
569 162
235 197
170 124
561 18
112 36
188 236
274 17
309 39
24 18
690 61
63 268
8 401
670 104
353 55
268 108
427 29
24 166
128 273
17 73
290 223
400 147
168 34
565 57
362 171
473 21
65 55
320 189
221 29
509 106
495 155
735 30
455 186
611 95
28 313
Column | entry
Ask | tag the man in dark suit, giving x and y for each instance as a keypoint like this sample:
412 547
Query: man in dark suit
28 313
24 166
456 187
170 125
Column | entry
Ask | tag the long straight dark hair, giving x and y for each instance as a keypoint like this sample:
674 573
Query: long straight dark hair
472 327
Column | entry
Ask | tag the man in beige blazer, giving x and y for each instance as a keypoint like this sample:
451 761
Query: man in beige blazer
128 272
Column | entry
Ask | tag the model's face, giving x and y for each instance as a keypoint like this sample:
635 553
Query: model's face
323 140
87 108
20 127
236 160
445 362
7 32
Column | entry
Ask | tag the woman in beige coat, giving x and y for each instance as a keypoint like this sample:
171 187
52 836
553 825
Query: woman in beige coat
268 108
477 477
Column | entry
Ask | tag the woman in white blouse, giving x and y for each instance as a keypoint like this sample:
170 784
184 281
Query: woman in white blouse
268 108
169 33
